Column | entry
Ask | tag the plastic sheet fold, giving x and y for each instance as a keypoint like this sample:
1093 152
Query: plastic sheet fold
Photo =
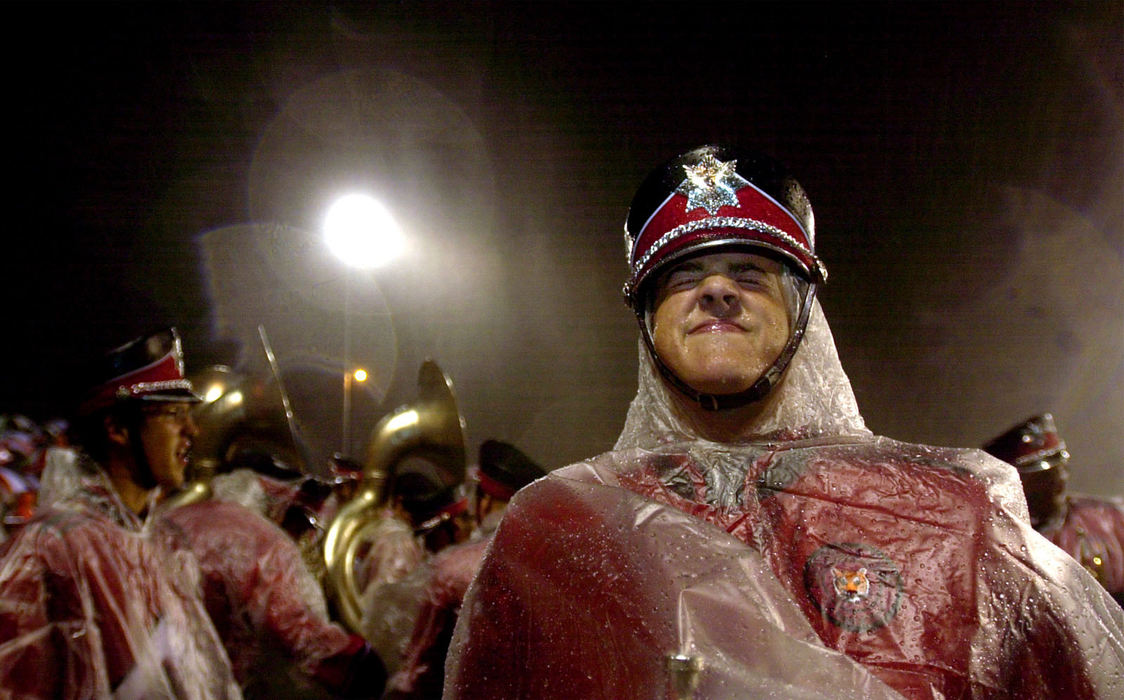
265 603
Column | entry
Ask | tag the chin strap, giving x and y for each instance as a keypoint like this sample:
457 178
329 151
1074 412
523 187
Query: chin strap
764 383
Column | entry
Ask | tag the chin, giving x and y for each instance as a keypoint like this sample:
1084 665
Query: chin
722 386
174 482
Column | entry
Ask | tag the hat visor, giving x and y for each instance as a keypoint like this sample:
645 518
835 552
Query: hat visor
171 396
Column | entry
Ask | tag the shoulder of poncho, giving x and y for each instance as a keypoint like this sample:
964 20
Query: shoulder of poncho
585 469
61 531
1086 500
70 512
999 479
215 520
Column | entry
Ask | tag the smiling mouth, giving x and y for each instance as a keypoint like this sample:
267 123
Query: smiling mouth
716 326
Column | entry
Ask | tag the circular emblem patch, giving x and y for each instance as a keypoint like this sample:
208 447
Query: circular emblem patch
855 586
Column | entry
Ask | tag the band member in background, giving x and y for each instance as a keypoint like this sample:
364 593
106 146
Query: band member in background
502 471
260 589
440 516
749 536
1090 529
268 607
91 604
424 517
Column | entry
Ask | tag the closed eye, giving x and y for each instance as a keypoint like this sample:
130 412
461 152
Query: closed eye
683 279
683 276
746 274
749 275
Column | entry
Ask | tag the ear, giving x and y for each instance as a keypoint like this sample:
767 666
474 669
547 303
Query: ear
115 432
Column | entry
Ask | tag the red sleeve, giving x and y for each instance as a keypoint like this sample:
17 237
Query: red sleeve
544 624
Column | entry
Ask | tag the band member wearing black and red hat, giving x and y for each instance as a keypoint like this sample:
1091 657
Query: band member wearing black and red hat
138 424
502 471
91 605
749 536
1089 528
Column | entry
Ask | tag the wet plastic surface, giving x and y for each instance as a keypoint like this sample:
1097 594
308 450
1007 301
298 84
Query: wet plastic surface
93 606
808 558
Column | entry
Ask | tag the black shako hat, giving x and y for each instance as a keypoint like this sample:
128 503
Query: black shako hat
504 469
148 368
1033 445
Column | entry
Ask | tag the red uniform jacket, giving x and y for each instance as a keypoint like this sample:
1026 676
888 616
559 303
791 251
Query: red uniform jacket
422 672
876 552
1093 534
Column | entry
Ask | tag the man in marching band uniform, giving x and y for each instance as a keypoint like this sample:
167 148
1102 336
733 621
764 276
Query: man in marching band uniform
92 605
749 536
1089 529
262 595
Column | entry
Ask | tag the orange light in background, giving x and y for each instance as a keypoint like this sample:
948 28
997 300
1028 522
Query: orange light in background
360 375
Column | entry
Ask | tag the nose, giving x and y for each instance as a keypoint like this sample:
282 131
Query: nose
718 294
189 427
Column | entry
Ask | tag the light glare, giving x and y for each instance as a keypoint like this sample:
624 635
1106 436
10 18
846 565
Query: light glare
361 232
402 421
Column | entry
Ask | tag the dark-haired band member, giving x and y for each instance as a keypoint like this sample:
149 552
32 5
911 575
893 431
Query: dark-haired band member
91 604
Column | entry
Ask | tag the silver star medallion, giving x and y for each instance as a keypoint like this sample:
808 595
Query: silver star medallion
711 184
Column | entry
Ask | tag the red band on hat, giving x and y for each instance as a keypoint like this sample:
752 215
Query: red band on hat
1028 453
166 373
444 514
756 217
455 508
752 204
494 488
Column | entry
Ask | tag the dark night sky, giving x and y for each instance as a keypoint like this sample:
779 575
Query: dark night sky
965 160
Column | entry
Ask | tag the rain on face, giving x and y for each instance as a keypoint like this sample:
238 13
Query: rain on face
720 320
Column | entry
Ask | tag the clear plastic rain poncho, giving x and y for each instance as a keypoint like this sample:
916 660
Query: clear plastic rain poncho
442 581
812 560
1093 534
268 608
392 594
93 606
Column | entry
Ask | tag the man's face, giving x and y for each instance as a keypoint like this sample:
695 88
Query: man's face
720 320
166 433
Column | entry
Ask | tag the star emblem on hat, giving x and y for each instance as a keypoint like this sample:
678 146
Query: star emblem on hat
711 184
1034 434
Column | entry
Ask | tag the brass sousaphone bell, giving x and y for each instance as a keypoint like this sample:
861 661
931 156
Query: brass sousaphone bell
432 426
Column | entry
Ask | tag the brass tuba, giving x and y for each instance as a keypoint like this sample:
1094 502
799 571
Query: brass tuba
431 425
